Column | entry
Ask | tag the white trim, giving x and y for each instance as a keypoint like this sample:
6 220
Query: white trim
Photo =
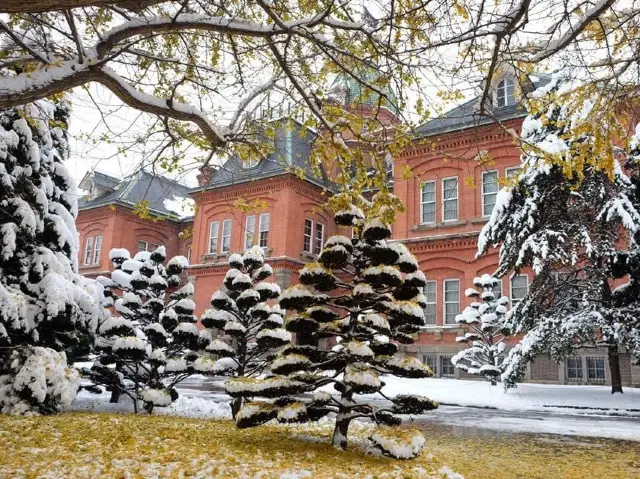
304 236
507 171
88 250
457 198
504 81
213 246
260 230
435 202
501 287
223 236
435 302
444 300
511 287
315 238
483 194
97 249
247 232
146 246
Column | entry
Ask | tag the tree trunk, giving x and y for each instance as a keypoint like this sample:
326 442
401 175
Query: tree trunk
340 432
494 382
236 404
614 367
115 395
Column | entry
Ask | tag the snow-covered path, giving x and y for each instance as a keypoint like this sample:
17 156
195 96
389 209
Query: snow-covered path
533 422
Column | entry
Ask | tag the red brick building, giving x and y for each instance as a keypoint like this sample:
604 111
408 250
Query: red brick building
448 199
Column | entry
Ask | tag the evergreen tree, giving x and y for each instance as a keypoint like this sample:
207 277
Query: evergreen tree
626 264
488 331
240 312
46 308
151 342
567 228
364 296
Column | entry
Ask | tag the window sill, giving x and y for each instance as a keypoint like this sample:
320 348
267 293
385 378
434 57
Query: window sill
481 220
304 255
214 257
444 224
437 327
89 266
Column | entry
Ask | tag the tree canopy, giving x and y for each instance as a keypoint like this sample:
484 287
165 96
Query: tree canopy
206 71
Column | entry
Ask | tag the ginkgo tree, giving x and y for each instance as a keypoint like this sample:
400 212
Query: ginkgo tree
206 71
364 296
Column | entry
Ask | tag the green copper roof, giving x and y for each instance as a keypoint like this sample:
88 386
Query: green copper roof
351 91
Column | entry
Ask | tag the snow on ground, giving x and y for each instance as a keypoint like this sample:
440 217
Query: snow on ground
472 420
212 407
526 397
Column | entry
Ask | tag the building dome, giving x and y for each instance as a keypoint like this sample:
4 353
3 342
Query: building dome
350 92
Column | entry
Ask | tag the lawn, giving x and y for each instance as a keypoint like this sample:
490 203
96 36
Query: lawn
79 445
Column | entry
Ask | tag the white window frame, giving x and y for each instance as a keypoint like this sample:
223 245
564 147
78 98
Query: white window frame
446 358
504 81
146 246
213 245
581 369
189 253
250 163
97 249
499 283
249 232
434 303
226 236
306 236
434 202
604 369
317 248
457 199
510 171
511 289
483 194
445 302
88 250
261 230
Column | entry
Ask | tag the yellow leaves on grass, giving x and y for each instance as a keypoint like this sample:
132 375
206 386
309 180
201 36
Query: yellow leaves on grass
116 445
485 454
88 445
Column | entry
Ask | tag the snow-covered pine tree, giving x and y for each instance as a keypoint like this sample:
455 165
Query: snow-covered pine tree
252 328
487 331
374 303
626 298
567 228
151 342
46 308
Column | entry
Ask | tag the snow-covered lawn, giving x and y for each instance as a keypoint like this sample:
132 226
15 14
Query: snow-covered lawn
526 397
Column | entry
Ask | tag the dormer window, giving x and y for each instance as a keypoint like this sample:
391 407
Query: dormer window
250 163
505 93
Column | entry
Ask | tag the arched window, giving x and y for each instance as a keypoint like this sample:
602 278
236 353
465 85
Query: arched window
505 93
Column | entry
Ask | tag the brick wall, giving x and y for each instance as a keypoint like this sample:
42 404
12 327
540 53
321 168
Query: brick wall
543 368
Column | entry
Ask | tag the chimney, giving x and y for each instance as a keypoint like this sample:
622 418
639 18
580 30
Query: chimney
204 177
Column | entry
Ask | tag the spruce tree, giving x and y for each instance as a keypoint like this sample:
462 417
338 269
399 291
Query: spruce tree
151 342
251 327
567 229
46 307
364 296
486 331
